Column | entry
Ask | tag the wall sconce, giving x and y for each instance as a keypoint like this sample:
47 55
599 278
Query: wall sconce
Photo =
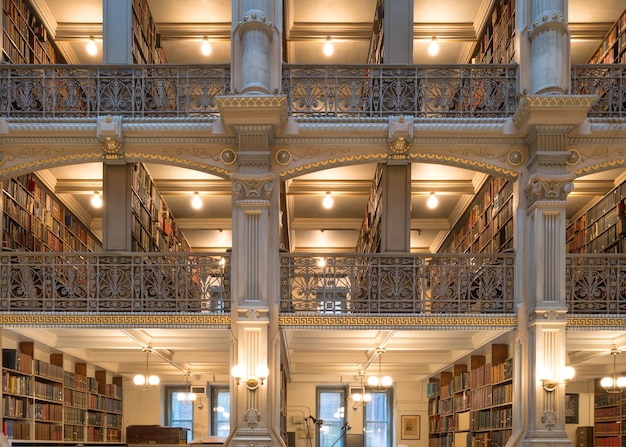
252 382
549 383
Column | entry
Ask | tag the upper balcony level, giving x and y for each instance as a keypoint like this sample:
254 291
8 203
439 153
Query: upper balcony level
339 92
338 285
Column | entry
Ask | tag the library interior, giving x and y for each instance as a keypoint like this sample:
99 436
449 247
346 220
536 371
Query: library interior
341 223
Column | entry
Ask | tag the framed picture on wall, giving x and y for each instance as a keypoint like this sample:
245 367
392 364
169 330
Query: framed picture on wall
410 427
571 408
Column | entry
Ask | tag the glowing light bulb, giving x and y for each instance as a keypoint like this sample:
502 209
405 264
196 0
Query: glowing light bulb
433 48
96 200
328 201
196 202
328 47
92 49
206 46
432 201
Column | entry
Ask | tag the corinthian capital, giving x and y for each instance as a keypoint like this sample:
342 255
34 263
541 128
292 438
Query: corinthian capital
546 188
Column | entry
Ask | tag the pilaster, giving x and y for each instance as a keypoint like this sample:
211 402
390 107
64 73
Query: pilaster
117 31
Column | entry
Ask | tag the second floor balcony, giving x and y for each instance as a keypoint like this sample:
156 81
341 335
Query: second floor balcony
348 285
346 92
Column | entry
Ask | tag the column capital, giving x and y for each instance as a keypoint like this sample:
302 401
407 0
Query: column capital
546 188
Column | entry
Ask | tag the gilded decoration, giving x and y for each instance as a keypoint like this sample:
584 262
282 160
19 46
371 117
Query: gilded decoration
515 158
442 322
253 189
548 189
574 157
283 157
67 319
544 102
228 156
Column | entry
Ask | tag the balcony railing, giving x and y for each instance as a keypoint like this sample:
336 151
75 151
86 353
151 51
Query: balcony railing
608 82
385 283
313 91
596 284
471 91
106 282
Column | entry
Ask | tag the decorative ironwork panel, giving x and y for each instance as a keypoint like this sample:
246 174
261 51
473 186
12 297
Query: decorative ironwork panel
608 82
385 283
421 91
88 282
133 90
596 284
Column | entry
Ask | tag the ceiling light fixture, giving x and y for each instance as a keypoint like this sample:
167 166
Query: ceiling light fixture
380 383
187 397
96 200
433 201
147 381
206 46
328 47
92 49
361 397
433 48
614 385
328 201
196 202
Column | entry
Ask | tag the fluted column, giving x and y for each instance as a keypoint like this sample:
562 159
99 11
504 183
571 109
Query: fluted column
544 272
549 47
257 48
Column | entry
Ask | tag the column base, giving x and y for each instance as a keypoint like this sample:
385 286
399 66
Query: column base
550 439
253 437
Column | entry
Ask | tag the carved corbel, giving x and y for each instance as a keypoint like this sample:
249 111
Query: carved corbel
109 134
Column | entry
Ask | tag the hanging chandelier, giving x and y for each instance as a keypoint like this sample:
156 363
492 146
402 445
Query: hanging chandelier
379 383
614 385
187 397
361 397
147 381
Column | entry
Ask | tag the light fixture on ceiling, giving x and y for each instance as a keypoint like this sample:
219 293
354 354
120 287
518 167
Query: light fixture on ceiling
92 49
196 202
252 382
206 46
433 48
360 397
147 381
379 383
433 201
96 200
614 384
187 397
328 201
328 47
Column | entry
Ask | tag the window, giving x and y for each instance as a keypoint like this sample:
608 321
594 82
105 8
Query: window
377 421
331 404
220 411
179 414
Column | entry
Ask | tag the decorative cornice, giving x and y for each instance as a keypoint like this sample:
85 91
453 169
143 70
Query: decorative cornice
109 320
596 322
439 322
553 104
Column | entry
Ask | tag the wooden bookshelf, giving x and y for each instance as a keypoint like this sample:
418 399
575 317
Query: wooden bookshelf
471 403
33 219
612 50
496 42
44 402
24 38
376 53
146 47
154 227
369 239
601 228
609 416
488 225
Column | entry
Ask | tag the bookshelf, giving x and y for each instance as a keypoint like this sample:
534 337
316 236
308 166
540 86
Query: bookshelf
607 431
24 38
612 50
488 225
600 229
154 227
146 48
376 50
369 239
471 404
496 42
33 219
44 402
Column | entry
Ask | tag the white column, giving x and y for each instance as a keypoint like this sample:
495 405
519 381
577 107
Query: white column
398 26
550 47
117 31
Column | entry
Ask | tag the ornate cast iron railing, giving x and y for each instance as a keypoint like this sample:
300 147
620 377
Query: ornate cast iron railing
608 82
132 90
108 282
596 284
375 284
422 91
